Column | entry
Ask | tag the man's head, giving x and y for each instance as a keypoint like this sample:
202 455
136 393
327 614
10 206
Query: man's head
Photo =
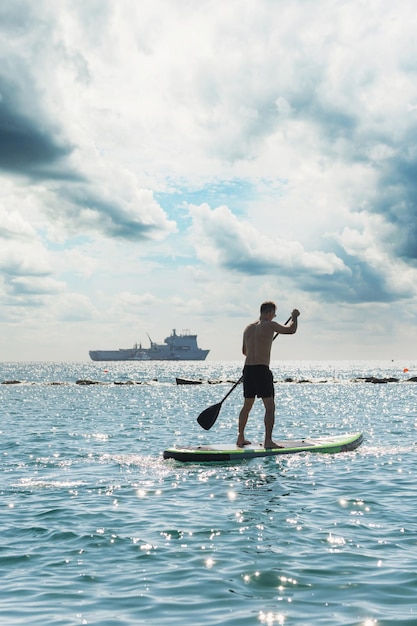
268 309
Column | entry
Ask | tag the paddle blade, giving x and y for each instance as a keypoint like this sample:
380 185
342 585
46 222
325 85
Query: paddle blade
207 418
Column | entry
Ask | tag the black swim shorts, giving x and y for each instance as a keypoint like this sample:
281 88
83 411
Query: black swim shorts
258 381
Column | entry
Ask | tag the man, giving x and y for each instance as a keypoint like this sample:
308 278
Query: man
257 377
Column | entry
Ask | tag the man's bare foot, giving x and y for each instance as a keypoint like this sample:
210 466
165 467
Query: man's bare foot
271 444
242 442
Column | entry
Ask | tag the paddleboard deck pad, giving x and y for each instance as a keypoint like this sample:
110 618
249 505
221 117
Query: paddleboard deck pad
230 452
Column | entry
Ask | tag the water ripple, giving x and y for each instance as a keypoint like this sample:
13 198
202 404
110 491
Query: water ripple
98 529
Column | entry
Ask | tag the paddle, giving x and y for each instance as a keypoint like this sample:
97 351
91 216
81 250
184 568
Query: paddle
207 418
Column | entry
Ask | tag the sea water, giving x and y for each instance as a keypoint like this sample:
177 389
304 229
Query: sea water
96 528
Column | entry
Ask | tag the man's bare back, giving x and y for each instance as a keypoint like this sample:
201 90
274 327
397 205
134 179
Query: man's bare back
257 340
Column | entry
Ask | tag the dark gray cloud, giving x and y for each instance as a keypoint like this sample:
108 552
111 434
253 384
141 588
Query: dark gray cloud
34 143
363 284
89 209
396 200
32 146
28 145
362 141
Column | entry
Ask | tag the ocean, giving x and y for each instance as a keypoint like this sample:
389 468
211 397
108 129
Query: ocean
96 528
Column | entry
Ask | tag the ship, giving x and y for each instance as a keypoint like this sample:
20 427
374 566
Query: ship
176 347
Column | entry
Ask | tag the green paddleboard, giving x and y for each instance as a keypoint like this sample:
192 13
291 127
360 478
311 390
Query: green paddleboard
230 452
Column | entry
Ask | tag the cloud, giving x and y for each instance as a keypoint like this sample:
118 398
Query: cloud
12 225
377 274
83 190
396 199
132 304
33 286
28 147
169 152
73 307
219 237
21 251
115 208
362 272
24 259
25 149
25 264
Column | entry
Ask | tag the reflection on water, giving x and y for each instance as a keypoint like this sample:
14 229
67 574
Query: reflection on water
98 528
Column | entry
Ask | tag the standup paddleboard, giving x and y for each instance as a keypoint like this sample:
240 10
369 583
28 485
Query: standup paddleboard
230 452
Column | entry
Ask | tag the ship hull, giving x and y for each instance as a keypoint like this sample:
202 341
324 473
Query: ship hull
128 355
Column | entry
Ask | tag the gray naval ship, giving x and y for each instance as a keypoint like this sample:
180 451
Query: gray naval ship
181 347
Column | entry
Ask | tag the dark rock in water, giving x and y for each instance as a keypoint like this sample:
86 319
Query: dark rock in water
86 382
375 380
413 379
11 382
185 381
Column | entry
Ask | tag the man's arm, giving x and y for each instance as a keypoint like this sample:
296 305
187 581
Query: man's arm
244 346
291 328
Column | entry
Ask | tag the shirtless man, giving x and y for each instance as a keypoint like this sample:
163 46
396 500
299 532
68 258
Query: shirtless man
257 377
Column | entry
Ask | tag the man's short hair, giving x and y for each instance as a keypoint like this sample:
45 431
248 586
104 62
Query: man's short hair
267 307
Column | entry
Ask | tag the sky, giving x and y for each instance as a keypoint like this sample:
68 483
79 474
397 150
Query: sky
175 163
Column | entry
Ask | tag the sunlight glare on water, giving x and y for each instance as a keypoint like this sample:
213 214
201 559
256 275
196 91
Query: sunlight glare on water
98 529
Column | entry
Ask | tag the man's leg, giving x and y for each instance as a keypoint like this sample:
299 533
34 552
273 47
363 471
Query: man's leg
269 404
243 419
